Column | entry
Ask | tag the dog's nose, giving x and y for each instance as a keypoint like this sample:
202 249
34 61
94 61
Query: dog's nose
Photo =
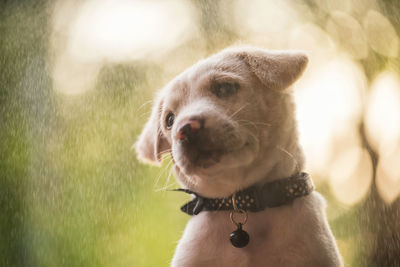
189 127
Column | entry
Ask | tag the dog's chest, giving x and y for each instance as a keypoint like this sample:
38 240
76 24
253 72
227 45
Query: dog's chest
206 241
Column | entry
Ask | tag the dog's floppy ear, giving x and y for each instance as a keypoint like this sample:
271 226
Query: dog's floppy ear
275 69
152 142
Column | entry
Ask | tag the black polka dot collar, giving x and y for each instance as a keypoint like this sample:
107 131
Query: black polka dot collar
255 198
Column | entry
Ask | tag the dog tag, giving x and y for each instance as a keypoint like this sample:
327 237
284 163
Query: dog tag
239 238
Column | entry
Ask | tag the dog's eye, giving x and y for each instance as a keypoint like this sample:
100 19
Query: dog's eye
169 120
225 89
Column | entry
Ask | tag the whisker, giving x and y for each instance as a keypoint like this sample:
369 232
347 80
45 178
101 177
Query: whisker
162 171
166 185
291 156
145 114
168 179
164 189
255 123
166 168
238 110
167 151
247 122
144 104
262 123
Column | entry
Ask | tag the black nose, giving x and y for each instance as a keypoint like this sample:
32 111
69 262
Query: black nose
188 128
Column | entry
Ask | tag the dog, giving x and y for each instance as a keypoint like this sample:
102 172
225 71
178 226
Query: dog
229 124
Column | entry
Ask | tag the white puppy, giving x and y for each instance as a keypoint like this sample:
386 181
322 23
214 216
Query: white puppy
228 122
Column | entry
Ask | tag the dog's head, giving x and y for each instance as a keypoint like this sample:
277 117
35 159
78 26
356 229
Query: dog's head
220 118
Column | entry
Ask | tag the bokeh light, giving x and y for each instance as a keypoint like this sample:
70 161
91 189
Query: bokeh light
114 31
381 34
383 127
329 104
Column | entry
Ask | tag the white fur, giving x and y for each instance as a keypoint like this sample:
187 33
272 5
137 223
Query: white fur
293 235
250 138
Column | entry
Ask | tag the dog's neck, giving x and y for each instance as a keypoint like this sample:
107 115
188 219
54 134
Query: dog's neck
286 158
283 156
280 161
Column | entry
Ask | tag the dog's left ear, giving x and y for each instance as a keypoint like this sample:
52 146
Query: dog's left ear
152 143
275 69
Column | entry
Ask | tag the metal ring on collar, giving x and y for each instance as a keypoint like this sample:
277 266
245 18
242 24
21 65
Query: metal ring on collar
232 216
237 210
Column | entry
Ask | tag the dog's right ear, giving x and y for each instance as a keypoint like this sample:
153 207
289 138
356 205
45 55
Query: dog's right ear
152 142
275 69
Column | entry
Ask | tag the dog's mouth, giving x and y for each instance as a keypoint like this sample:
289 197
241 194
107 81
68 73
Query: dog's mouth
204 157
200 156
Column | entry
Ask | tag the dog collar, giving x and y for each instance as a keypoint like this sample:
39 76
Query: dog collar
256 198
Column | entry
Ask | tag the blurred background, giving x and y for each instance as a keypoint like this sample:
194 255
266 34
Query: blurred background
76 83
